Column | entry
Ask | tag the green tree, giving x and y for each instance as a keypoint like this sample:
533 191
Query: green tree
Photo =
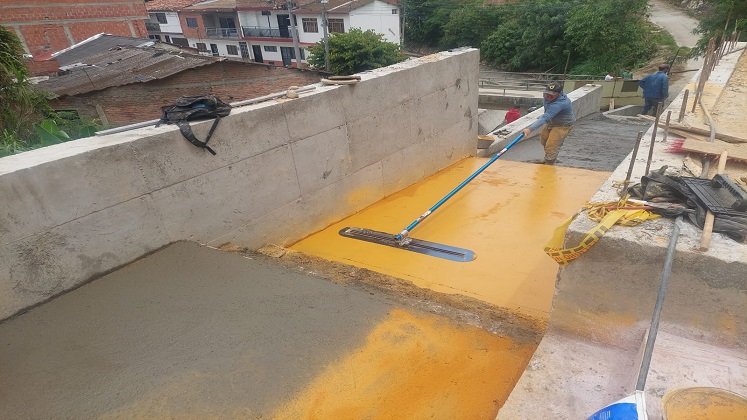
26 119
425 20
720 15
609 34
470 24
531 36
355 51
20 104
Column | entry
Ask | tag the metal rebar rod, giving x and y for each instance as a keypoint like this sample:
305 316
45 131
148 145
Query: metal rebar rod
666 127
684 105
654 328
632 163
653 139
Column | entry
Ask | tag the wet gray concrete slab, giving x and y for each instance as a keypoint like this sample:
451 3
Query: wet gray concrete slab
596 142
197 331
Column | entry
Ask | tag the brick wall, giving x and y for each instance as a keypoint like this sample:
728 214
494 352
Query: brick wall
198 32
47 26
230 81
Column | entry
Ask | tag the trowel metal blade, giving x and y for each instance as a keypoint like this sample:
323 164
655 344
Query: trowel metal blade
415 245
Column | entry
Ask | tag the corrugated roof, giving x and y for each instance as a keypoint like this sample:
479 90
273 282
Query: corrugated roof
168 5
123 66
213 5
95 45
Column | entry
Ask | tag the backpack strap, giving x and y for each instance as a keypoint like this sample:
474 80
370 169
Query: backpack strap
186 131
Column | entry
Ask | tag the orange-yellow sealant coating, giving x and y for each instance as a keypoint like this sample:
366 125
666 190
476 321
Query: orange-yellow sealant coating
505 216
415 367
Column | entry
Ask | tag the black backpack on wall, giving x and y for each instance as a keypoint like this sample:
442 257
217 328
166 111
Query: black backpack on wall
193 108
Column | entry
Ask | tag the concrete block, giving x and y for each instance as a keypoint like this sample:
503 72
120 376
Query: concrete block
374 137
43 265
321 159
432 114
314 114
37 198
293 221
376 92
202 208
442 64
166 157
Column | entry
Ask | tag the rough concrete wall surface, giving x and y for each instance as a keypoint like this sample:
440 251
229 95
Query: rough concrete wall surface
283 169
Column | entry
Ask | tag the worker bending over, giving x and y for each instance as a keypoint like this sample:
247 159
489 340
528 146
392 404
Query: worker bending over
557 120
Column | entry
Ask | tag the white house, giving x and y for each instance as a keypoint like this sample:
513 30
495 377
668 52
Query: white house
164 24
267 26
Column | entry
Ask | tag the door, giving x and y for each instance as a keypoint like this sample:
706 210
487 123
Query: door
214 49
257 50
287 54
244 49
283 24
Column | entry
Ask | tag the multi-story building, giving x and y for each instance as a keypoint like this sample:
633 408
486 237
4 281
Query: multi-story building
261 30
164 24
45 27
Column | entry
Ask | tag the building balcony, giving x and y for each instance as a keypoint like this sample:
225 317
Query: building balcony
262 32
152 26
222 32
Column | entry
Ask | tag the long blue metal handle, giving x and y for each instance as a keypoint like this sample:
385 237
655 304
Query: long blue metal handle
400 236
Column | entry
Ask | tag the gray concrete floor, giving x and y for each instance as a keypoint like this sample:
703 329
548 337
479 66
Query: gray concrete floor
209 332
596 142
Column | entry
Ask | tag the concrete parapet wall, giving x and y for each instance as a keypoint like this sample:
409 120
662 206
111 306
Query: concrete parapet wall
585 102
618 278
283 170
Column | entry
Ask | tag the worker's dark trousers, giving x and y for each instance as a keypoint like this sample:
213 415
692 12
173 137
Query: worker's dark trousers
651 104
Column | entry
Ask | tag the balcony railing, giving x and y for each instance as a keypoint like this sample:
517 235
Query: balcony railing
222 32
152 26
258 31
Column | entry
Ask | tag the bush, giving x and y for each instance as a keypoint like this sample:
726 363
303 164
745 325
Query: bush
355 51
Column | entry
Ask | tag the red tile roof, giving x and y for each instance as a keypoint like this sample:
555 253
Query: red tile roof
168 5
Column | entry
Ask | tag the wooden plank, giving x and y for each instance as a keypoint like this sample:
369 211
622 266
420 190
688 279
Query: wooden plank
673 126
735 152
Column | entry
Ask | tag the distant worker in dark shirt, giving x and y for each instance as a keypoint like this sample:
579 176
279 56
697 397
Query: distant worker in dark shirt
655 89
557 120
513 114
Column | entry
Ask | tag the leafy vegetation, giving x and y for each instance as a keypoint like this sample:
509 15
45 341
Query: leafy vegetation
720 17
587 36
26 120
355 51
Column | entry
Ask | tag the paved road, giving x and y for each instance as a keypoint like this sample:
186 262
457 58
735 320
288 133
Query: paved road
675 21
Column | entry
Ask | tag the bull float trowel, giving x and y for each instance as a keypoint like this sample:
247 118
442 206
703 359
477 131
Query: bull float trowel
404 241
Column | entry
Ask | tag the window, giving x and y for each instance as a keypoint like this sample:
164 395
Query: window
158 17
303 53
310 25
270 48
180 41
336 25
192 23
167 38
156 37
232 50
201 47
226 22
394 11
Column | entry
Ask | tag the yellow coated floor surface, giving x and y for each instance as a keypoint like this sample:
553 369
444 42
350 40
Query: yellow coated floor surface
505 216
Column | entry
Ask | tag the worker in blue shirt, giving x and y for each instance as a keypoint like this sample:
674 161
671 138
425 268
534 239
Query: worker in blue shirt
655 89
557 120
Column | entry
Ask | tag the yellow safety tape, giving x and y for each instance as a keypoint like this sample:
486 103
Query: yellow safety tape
607 215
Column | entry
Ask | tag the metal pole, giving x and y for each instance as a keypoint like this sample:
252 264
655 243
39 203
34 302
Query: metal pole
632 163
666 127
684 105
653 137
294 33
326 35
654 328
